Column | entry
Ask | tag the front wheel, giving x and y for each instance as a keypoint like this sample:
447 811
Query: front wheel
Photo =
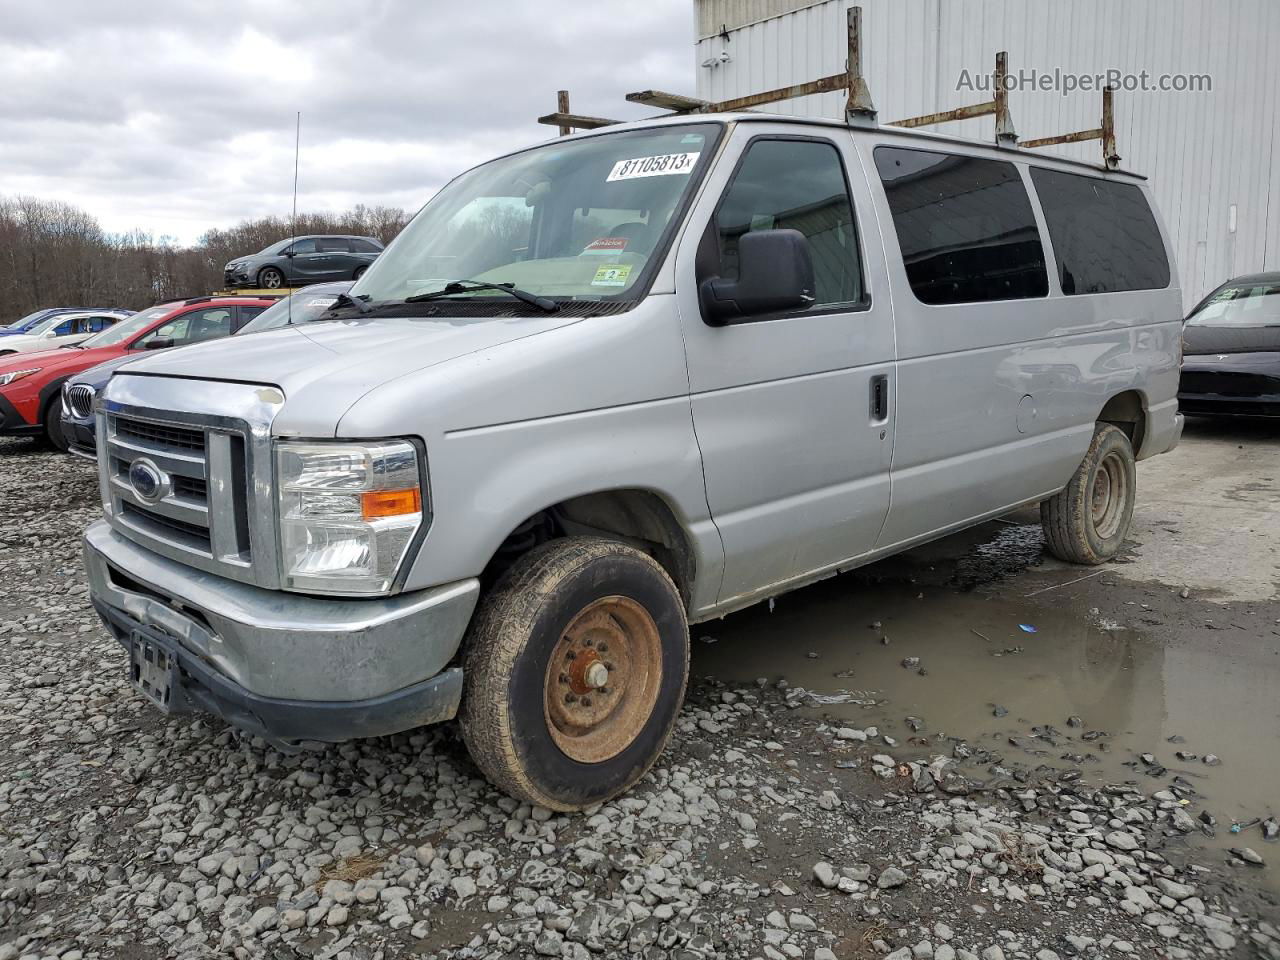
53 427
1088 520
359 273
575 669
270 279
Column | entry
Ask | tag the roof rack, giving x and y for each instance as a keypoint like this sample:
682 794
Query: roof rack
859 109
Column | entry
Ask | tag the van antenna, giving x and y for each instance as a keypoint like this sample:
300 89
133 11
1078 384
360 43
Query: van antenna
293 220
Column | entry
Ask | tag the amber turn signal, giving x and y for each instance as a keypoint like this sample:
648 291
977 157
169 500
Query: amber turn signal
390 503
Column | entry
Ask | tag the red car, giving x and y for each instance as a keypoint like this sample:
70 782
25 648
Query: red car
30 383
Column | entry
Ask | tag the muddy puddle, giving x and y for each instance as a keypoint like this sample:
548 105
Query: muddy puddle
1014 691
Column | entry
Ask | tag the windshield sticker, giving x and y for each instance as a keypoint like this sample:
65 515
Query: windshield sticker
606 246
612 275
322 302
660 166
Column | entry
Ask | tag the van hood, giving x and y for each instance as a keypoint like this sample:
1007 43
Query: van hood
326 366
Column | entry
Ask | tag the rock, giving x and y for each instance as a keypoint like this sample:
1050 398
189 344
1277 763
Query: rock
1000 711
1136 895
1248 855
910 662
849 733
336 916
891 877
463 887
993 953
942 931
1170 888
1121 840
1210 759
824 953
1221 939
823 873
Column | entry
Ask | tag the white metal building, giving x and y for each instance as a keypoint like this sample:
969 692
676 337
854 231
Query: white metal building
1213 157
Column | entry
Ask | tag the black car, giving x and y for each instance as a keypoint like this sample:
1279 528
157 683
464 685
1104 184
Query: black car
301 260
80 391
1231 350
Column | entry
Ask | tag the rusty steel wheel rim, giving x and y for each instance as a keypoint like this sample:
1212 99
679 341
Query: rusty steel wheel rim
1108 496
602 679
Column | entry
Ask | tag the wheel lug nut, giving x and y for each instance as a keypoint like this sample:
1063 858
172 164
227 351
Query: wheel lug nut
570 655
564 678
570 697
587 642
608 665
603 646
586 701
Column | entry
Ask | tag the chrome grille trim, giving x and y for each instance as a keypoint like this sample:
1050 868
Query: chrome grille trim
215 511
79 397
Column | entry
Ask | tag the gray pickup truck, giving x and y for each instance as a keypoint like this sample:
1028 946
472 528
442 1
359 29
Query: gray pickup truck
611 385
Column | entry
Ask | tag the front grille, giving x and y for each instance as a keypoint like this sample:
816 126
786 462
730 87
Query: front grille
193 488
167 435
1229 383
80 400
192 534
199 509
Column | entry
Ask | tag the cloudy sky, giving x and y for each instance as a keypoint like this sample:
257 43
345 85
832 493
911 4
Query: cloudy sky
178 116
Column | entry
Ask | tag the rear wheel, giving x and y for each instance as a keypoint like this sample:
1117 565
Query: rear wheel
575 669
1088 520
53 427
269 278
359 273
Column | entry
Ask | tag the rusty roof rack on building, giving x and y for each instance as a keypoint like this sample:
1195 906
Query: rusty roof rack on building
859 108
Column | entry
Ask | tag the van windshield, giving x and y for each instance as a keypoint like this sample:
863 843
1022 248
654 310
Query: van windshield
1243 305
579 220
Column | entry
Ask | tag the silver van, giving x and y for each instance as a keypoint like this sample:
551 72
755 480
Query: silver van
612 385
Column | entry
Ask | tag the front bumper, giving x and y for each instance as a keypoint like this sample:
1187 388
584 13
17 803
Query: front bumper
80 437
280 665
12 423
239 277
1220 405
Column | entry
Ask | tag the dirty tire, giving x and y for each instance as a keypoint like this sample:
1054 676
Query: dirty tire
525 620
269 278
1087 521
53 426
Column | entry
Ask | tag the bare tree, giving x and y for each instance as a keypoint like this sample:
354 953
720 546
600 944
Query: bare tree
55 254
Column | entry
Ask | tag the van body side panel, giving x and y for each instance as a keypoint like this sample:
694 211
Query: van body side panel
997 400
796 466
515 428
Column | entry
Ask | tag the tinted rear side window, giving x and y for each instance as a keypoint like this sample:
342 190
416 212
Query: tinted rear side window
1103 233
965 227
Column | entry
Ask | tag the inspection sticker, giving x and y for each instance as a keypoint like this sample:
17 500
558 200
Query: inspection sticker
606 246
612 275
660 166
322 302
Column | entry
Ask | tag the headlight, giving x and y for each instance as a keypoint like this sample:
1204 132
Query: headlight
15 375
348 513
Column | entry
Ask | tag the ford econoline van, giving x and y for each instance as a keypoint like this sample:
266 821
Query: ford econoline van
612 385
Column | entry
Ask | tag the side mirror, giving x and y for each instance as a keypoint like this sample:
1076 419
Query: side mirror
50 333
775 273
159 343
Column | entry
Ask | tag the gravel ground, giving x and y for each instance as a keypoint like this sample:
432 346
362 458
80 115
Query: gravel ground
764 831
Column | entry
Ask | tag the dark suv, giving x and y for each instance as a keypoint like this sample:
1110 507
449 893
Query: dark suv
297 261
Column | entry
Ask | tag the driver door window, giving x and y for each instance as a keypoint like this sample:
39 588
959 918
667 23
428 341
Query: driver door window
797 185
193 327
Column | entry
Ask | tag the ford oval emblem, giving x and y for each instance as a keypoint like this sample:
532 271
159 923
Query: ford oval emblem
150 484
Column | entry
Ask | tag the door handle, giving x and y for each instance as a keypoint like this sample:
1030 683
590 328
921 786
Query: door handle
879 398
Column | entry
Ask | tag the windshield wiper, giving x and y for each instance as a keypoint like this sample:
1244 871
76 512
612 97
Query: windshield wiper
345 299
466 286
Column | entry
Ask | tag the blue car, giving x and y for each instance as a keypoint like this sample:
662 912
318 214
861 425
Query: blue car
31 319
79 392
